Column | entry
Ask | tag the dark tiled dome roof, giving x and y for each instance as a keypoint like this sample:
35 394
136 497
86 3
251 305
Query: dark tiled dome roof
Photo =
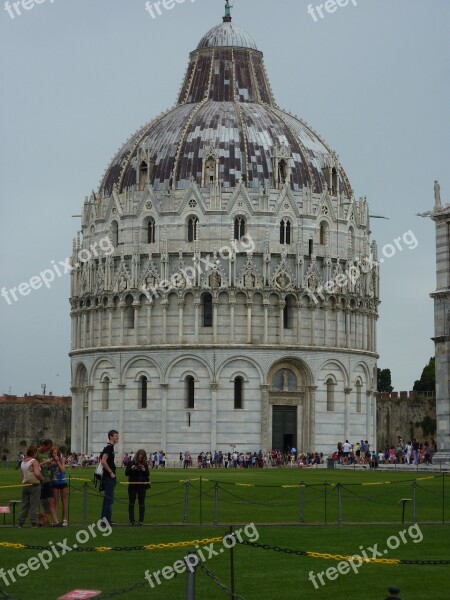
225 104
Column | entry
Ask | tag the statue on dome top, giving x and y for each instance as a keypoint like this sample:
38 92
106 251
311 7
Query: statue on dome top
437 194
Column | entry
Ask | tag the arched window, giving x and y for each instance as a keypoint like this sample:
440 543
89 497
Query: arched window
330 395
351 242
288 313
129 313
239 228
115 234
358 396
238 392
105 393
207 310
192 229
285 231
143 175
151 231
143 392
286 316
323 233
190 392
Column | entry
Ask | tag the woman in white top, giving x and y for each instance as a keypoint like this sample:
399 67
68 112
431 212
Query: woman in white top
31 490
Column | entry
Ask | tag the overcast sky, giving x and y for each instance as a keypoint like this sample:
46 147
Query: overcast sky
79 76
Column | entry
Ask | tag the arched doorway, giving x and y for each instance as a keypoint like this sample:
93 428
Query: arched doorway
288 408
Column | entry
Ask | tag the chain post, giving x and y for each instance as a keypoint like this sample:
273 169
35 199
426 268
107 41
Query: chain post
85 503
216 503
393 593
302 502
232 563
186 501
201 502
339 487
191 563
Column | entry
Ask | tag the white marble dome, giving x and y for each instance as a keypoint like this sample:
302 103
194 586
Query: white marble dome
229 299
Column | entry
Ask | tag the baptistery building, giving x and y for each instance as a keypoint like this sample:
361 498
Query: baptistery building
224 288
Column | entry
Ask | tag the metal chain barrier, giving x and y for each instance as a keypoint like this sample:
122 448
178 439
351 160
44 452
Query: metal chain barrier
219 583
382 561
162 546
260 503
124 590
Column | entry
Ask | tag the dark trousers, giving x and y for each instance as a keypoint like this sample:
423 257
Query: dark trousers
108 499
139 491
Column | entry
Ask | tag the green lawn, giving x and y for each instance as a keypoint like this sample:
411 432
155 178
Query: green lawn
246 496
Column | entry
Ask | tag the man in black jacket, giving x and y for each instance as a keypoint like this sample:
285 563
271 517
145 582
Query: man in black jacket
109 475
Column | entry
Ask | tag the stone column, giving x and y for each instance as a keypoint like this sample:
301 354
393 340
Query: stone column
196 317
122 442
374 340
347 328
232 305
165 305
164 390
281 306
309 418
369 414
110 318
249 321
91 326
347 392
266 435
215 307
180 319
100 325
149 323
325 323
84 329
337 310
122 306
312 310
369 330
266 320
214 387
89 391
363 329
136 306
299 322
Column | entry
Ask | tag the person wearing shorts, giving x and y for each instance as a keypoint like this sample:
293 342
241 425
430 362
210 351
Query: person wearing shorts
43 457
59 482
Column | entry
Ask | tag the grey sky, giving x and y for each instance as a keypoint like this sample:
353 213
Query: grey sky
79 76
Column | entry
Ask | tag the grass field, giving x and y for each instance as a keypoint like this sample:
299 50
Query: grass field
271 499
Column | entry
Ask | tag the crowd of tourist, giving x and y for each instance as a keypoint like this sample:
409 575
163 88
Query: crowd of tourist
214 460
250 460
409 453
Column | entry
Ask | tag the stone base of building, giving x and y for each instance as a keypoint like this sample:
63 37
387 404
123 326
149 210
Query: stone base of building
442 458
